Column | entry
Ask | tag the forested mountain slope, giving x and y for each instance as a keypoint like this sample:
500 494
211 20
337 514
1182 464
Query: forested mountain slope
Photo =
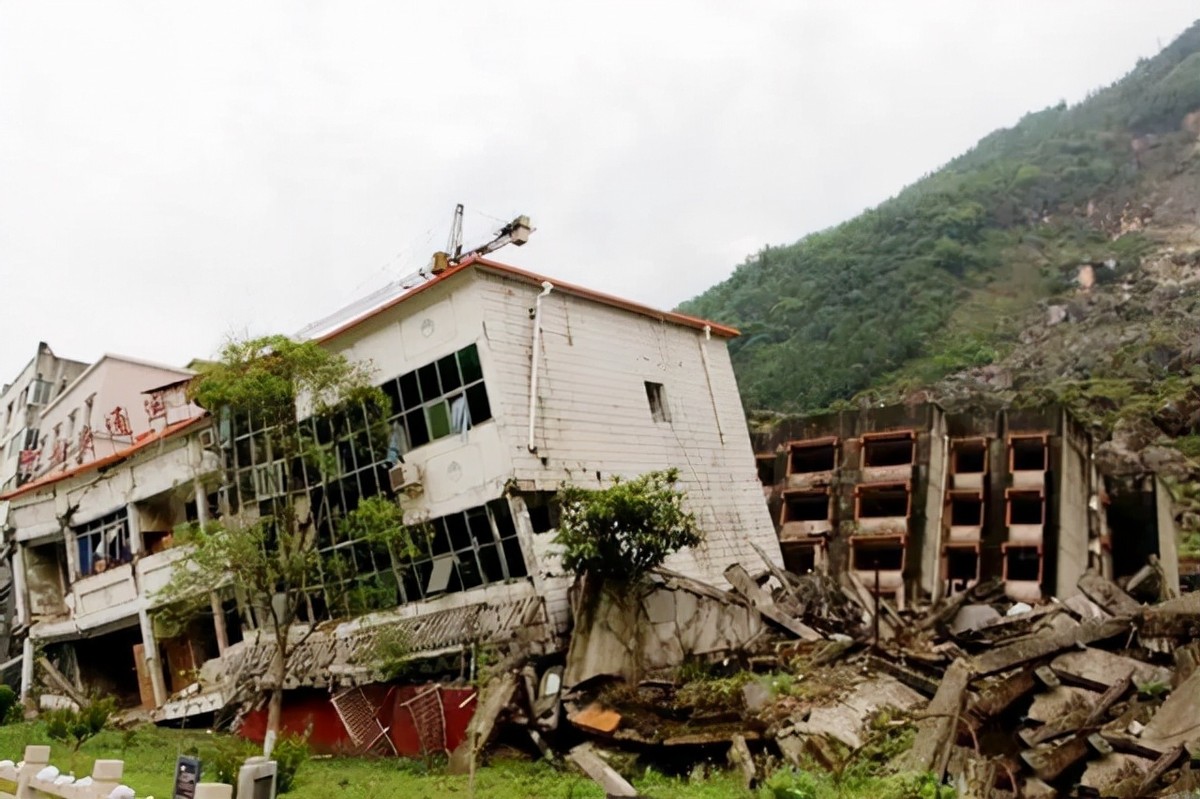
947 286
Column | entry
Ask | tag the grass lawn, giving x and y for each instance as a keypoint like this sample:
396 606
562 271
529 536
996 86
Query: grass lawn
149 754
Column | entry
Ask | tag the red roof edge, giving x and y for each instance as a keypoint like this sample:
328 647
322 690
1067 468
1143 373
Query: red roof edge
139 443
533 277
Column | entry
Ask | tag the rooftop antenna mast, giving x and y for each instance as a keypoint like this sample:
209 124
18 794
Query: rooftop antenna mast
514 232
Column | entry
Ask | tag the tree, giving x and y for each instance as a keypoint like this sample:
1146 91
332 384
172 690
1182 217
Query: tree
627 529
73 726
268 550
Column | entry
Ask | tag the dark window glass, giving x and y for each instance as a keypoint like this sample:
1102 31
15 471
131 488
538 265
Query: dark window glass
448 371
392 390
500 513
468 571
427 375
440 543
477 402
460 536
408 390
418 432
468 359
514 558
489 561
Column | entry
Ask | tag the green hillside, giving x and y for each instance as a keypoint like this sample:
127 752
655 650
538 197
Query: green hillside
947 277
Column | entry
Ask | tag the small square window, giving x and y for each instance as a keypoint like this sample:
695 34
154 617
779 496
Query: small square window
656 394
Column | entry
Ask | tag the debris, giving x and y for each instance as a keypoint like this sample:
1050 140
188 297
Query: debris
495 697
596 718
601 773
740 757
744 584
935 731
1108 595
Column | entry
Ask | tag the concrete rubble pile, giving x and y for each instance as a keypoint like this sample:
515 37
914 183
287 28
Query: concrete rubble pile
1098 695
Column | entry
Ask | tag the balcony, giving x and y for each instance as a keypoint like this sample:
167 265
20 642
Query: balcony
811 462
804 514
888 456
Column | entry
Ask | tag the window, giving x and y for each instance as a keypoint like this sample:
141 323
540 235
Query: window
1022 563
1025 507
888 450
885 554
970 456
103 543
440 399
41 390
656 395
806 506
962 565
888 500
966 510
809 457
1027 453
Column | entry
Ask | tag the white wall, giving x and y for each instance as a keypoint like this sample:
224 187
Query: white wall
593 415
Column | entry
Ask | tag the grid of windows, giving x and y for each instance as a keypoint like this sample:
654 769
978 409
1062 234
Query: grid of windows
103 543
439 399
466 550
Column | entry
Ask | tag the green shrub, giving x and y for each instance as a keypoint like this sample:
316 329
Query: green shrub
10 708
76 726
291 752
627 529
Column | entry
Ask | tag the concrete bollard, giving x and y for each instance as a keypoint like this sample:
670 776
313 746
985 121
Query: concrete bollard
256 780
214 790
106 775
36 759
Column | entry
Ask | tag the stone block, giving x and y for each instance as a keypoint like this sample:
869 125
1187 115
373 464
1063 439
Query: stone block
108 770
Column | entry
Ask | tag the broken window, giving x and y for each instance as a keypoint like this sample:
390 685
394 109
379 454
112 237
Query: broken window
962 565
544 510
885 554
882 501
656 395
896 449
440 399
800 557
766 468
970 456
806 506
459 552
1025 507
807 457
1022 563
1027 453
103 543
966 509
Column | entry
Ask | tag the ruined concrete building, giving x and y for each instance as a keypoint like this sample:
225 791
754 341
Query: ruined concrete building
933 502
504 386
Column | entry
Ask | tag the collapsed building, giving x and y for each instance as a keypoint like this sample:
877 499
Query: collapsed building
918 501
504 386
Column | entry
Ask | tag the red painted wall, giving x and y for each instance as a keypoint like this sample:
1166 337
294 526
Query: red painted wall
311 708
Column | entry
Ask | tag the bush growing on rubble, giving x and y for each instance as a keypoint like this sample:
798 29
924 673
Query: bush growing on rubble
627 529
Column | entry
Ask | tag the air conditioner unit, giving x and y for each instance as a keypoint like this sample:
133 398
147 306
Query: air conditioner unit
406 477
208 438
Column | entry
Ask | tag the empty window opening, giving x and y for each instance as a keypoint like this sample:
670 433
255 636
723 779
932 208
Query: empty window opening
966 510
1022 563
808 457
890 451
970 457
799 558
883 501
962 564
1025 507
1027 454
656 395
887 555
808 506
766 469
544 510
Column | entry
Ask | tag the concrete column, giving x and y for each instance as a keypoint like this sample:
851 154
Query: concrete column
150 648
219 623
19 586
26 667
134 525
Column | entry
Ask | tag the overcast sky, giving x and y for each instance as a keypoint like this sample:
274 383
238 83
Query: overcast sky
174 172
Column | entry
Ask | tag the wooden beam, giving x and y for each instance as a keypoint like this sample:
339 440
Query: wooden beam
745 585
601 773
